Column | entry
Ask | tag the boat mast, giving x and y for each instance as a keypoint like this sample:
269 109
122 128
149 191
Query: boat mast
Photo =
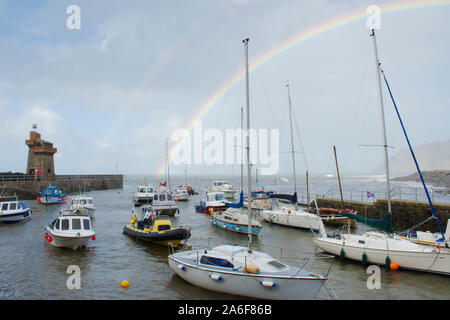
168 172
292 142
339 177
242 151
383 122
249 172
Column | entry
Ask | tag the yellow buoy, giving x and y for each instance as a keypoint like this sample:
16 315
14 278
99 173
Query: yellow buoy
125 284
394 266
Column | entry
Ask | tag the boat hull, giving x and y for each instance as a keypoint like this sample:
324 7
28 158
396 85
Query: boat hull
164 238
235 227
163 210
307 221
15 217
52 200
247 284
434 261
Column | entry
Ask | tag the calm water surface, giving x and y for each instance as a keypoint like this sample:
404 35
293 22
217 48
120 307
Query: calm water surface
31 268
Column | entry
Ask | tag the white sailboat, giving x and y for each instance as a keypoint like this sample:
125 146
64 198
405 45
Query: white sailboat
240 270
385 247
286 215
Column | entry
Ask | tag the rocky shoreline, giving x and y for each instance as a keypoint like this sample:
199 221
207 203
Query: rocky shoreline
437 178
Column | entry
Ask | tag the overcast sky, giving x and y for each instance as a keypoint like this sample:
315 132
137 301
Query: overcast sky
113 90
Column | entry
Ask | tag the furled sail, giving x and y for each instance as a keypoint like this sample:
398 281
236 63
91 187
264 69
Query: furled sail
239 204
292 198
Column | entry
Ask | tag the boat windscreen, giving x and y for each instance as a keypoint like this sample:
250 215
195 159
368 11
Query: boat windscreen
216 261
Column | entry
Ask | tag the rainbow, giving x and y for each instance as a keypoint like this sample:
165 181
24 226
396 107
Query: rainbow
288 44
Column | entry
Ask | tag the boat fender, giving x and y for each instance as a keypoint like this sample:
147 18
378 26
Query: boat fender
181 267
388 262
216 276
269 284
251 268
364 259
342 254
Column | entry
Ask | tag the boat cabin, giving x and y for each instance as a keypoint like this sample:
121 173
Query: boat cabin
82 201
220 183
215 196
145 189
71 223
52 191
11 206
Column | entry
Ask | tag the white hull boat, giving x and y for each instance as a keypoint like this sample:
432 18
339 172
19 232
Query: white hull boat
72 229
164 204
379 248
83 203
225 187
232 270
292 218
144 195
13 211
181 195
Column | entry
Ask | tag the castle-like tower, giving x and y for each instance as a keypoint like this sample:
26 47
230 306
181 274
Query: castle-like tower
40 157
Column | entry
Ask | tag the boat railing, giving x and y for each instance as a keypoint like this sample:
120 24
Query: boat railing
370 196
20 177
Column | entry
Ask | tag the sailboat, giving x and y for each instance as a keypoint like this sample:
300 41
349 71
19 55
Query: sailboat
241 270
288 216
378 247
163 200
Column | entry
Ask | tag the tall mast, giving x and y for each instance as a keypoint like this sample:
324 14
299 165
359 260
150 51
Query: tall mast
249 172
339 178
241 148
383 122
292 142
167 161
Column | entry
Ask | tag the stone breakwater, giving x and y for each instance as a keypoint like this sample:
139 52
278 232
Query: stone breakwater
69 184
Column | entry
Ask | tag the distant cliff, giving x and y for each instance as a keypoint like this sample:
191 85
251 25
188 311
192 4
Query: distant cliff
437 178
431 156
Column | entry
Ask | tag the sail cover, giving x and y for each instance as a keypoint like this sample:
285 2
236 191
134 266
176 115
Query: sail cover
239 204
384 224
289 197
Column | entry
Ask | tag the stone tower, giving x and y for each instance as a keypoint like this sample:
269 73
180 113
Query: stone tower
40 158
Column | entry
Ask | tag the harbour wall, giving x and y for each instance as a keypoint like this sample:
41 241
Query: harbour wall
405 214
69 184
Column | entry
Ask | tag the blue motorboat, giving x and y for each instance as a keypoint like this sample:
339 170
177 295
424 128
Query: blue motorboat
51 195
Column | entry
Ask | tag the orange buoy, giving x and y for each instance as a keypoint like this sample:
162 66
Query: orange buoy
394 266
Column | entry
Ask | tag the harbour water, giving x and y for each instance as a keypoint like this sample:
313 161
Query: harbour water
30 268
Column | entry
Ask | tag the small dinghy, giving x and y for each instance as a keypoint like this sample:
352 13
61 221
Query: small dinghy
71 229
156 229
